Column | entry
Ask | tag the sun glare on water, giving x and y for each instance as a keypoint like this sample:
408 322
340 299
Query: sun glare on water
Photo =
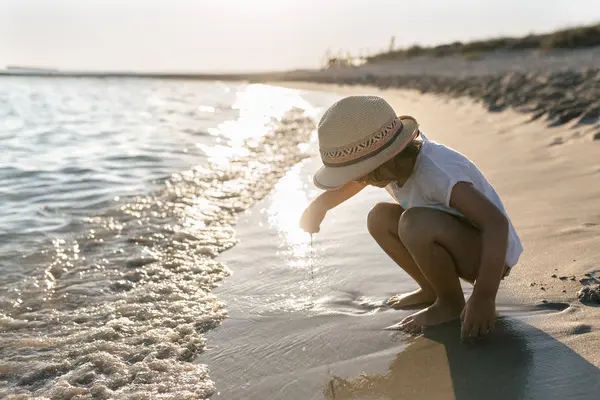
288 202
259 107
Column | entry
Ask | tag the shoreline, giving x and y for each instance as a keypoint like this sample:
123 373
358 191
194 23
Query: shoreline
314 334
123 288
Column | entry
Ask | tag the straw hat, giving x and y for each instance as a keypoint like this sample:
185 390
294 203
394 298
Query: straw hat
358 134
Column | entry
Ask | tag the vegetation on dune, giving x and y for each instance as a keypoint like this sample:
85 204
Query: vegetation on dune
571 38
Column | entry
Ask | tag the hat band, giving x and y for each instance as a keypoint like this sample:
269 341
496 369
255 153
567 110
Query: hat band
366 148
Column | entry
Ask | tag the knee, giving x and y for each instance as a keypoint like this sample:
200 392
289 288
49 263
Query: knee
379 218
415 226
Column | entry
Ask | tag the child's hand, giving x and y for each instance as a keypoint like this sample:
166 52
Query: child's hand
312 217
478 317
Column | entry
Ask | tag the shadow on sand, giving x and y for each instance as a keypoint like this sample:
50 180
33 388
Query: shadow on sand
518 362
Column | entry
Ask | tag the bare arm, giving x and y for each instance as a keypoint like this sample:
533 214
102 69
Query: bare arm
315 212
494 235
333 198
479 314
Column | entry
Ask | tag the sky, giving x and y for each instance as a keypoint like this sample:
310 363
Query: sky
254 35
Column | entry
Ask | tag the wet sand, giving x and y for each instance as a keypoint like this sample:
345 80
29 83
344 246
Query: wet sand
308 323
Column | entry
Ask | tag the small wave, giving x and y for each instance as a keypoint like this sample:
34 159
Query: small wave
349 303
120 310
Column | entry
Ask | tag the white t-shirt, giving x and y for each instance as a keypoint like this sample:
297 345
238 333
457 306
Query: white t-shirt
437 169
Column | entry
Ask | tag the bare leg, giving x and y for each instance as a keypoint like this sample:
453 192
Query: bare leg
383 226
444 248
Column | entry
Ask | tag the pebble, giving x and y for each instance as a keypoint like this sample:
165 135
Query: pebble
589 294
588 281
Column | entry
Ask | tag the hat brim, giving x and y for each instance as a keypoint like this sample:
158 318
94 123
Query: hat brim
331 178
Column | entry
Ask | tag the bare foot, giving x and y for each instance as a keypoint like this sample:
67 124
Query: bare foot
438 313
412 299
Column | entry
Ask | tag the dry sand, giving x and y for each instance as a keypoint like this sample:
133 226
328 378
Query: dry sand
549 180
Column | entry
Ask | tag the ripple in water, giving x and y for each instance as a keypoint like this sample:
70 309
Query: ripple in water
120 311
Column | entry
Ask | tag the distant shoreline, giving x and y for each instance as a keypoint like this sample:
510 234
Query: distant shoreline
152 75
451 66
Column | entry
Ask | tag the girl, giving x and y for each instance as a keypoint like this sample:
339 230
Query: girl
448 222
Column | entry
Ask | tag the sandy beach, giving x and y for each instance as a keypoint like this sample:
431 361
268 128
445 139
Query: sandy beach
311 325
157 159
